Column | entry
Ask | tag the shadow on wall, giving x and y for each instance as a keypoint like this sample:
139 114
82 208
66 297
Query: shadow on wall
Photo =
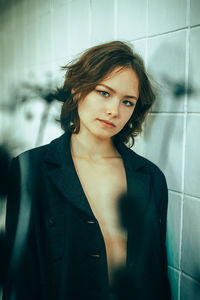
173 94
171 91
27 112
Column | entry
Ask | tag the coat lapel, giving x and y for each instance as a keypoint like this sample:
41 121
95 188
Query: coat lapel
138 182
62 173
135 202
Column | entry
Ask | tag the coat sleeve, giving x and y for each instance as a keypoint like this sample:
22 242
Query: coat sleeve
21 274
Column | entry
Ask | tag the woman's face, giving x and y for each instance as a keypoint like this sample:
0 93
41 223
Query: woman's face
105 111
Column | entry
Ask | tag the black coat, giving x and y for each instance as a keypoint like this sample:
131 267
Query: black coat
63 255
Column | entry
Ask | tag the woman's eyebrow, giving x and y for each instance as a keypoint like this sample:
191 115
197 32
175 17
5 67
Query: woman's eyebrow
112 90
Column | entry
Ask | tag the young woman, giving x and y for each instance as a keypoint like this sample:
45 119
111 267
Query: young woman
75 242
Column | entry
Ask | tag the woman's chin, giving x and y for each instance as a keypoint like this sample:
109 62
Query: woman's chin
102 135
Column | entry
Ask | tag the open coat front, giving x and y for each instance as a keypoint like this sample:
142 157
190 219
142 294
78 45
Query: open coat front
63 254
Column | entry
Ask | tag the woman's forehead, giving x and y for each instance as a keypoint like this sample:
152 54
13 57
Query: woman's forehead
123 80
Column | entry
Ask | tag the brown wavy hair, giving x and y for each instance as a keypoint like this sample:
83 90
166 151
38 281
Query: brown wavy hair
86 72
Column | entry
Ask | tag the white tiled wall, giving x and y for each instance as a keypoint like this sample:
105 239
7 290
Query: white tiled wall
174 229
189 288
165 53
131 19
192 157
174 276
37 37
165 16
102 20
194 12
194 69
79 25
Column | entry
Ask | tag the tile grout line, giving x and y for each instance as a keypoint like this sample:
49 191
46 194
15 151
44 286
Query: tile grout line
187 41
195 198
115 19
147 30
163 33
190 277
51 34
90 22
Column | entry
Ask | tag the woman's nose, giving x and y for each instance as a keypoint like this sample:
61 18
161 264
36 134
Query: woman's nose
112 108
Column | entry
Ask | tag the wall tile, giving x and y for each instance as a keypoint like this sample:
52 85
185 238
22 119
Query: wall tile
33 110
21 14
44 39
6 129
7 63
140 46
79 22
191 237
7 19
1 56
4 21
53 128
131 19
3 96
102 20
44 74
166 63
8 50
31 44
58 74
3 49
190 289
30 11
194 12
11 16
174 229
12 58
173 279
139 145
60 31
43 7
19 41
164 16
192 159
36 9
162 143
56 3
194 70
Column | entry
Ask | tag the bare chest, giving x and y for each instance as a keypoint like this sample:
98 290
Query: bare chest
103 183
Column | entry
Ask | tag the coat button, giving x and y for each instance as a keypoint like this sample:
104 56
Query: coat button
51 222
95 255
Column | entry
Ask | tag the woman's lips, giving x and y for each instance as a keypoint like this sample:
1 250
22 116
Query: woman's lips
106 123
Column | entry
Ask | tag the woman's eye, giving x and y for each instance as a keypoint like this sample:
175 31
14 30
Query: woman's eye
128 103
104 93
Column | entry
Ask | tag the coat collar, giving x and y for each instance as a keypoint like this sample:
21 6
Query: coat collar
60 147
62 173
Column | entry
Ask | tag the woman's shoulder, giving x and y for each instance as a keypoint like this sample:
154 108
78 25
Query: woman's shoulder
36 158
41 151
143 164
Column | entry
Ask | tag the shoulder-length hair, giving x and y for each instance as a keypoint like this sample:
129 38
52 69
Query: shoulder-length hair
85 73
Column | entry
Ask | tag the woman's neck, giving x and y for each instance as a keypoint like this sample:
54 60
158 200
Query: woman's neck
92 148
